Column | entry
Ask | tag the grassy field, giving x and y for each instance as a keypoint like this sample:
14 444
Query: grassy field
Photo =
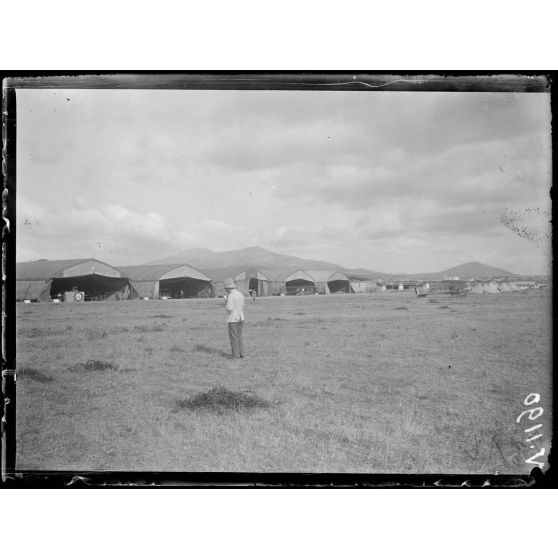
381 383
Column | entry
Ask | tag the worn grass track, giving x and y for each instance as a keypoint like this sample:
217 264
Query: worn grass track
353 383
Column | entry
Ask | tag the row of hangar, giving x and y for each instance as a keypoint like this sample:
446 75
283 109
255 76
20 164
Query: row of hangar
45 280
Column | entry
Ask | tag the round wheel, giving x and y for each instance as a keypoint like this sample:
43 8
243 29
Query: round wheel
78 297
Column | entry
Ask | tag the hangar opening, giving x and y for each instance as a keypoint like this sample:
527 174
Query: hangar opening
253 280
339 286
300 287
331 282
246 280
288 282
95 287
183 287
43 280
170 280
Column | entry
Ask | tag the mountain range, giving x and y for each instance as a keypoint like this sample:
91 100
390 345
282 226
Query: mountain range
255 256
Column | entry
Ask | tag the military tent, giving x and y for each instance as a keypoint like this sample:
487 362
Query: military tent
477 288
492 288
328 282
504 287
525 284
171 280
45 279
290 282
484 287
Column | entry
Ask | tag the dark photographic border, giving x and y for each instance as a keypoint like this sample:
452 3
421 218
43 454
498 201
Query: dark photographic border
496 81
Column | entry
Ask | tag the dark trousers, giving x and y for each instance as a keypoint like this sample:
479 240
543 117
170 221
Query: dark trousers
235 335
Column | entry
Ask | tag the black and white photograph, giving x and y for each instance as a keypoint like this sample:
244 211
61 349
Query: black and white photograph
348 274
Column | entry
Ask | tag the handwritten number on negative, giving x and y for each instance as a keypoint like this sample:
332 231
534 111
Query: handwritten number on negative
536 398
530 460
530 412
533 414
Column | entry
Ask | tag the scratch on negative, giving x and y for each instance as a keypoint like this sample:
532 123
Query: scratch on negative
374 86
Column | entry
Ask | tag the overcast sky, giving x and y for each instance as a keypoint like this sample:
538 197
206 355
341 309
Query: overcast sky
391 181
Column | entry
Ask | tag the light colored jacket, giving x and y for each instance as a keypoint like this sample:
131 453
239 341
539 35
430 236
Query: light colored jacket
235 306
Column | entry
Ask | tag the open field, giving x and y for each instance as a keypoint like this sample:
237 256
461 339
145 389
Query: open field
381 383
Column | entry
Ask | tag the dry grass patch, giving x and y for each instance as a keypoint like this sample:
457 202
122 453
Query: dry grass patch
147 329
41 332
220 400
91 334
34 374
93 365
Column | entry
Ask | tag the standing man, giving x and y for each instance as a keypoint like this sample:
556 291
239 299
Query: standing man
235 309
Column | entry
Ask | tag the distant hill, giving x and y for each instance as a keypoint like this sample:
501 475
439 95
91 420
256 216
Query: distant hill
465 271
477 269
226 263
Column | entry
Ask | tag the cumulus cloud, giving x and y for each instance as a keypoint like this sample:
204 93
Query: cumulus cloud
114 234
110 232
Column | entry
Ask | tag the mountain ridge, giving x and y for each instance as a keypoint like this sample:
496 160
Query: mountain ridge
255 256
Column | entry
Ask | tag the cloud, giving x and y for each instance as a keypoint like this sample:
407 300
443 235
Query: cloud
359 178
248 130
109 232
485 172
114 234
